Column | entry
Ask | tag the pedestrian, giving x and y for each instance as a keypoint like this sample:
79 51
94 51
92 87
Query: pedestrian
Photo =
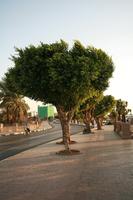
27 130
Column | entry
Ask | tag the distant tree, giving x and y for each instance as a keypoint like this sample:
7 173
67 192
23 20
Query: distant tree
122 110
113 117
102 108
13 105
53 73
86 110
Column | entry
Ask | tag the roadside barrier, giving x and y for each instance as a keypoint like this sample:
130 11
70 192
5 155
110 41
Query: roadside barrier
124 129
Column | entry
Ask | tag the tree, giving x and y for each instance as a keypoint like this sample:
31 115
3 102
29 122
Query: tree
53 73
119 112
122 110
17 108
113 117
86 110
102 108
13 105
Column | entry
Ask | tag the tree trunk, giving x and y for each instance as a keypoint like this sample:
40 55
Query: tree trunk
101 120
99 127
65 124
87 129
119 117
123 118
87 121
114 125
92 122
70 115
66 135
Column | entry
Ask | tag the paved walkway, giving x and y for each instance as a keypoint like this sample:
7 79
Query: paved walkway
103 171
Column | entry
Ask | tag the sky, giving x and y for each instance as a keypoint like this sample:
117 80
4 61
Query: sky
105 24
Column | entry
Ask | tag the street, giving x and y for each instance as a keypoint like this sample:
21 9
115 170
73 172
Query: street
11 145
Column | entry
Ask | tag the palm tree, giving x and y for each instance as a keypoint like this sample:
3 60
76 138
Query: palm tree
17 108
13 105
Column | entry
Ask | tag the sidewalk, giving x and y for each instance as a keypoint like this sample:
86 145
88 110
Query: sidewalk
102 171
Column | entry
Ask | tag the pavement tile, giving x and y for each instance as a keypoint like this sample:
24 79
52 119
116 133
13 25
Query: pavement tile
103 170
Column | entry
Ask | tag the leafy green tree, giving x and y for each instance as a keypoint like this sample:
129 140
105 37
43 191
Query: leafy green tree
53 73
13 105
102 108
113 117
122 110
86 110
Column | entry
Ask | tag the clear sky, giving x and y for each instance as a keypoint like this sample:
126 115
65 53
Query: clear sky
105 24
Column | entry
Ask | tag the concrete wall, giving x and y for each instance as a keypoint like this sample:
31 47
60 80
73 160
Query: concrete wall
125 130
17 129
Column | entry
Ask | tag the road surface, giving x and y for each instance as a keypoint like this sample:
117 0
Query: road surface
11 145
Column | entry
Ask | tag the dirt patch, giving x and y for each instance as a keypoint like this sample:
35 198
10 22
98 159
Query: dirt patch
68 153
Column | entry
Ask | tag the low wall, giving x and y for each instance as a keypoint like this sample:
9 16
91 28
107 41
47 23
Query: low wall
124 129
17 128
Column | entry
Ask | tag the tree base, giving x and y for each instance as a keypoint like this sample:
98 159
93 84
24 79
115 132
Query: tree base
70 142
68 152
85 131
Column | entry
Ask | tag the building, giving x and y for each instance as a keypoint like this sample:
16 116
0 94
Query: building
46 111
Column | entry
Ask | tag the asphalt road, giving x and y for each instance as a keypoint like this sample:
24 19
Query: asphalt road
12 145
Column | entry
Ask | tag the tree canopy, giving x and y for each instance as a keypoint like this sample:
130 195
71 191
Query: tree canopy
104 106
56 74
